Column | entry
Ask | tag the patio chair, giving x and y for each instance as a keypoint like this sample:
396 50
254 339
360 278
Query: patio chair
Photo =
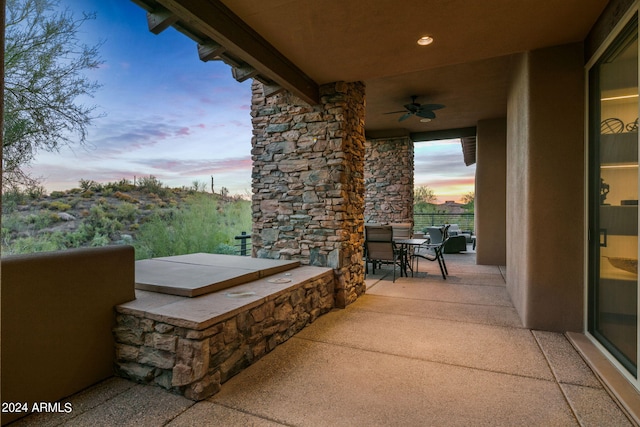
402 230
380 248
438 234
434 250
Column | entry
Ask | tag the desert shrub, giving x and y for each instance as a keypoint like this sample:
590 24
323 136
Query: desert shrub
125 197
101 221
224 248
73 201
198 226
57 194
87 194
25 245
12 198
38 220
198 186
35 192
13 223
151 184
122 185
86 184
127 211
59 206
99 240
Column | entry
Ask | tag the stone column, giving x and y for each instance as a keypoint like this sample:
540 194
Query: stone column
388 176
308 185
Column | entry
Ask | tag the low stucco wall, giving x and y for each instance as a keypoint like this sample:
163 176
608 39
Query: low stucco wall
57 321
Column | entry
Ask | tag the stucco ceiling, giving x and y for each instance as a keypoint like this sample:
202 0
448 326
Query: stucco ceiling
465 68
375 41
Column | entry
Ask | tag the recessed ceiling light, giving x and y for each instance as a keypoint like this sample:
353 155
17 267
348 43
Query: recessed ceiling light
425 120
424 41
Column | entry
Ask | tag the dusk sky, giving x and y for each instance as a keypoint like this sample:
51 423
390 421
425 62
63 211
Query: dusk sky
170 115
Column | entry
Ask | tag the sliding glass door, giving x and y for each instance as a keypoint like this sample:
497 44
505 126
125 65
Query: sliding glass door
613 199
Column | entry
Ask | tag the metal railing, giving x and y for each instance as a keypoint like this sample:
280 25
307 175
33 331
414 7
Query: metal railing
464 220
244 247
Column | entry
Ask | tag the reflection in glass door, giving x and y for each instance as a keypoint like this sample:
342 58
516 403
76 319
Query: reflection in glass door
613 228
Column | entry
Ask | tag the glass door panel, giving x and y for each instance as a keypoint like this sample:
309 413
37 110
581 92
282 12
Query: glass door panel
613 299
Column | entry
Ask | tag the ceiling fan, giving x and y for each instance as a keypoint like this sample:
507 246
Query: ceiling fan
421 110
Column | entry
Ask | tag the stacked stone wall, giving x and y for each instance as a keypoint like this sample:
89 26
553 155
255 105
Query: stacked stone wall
194 360
308 183
388 176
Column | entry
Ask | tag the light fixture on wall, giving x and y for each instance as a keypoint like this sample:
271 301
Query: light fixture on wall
425 40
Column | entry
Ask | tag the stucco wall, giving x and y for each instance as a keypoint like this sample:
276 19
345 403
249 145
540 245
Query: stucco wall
491 175
545 170
57 317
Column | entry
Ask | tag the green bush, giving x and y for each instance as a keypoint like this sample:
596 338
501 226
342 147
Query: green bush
86 184
25 245
199 226
127 211
151 184
125 197
57 194
122 185
59 206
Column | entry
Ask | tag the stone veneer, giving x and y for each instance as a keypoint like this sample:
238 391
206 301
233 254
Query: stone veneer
308 184
191 346
388 176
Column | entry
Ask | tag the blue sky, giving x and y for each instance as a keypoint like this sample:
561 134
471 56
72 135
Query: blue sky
168 114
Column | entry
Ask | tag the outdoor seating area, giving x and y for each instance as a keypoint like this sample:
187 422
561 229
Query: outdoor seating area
419 351
396 244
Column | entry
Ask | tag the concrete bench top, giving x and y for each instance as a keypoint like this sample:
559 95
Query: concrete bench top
203 311
201 273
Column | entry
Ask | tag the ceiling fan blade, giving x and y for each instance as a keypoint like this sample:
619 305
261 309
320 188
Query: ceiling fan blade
405 117
395 112
427 114
432 106
412 107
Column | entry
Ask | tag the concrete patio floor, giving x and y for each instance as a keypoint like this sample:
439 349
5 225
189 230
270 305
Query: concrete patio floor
421 351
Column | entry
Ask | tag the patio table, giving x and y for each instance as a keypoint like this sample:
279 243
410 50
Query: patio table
406 245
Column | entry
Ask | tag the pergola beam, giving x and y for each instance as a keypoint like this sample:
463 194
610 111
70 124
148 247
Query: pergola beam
213 19
443 134
210 51
159 20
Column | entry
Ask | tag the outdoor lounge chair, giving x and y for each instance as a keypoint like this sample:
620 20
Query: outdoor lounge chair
380 248
455 244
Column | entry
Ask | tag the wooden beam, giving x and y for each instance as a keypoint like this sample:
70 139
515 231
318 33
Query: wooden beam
216 21
159 20
271 90
210 51
243 72
443 134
